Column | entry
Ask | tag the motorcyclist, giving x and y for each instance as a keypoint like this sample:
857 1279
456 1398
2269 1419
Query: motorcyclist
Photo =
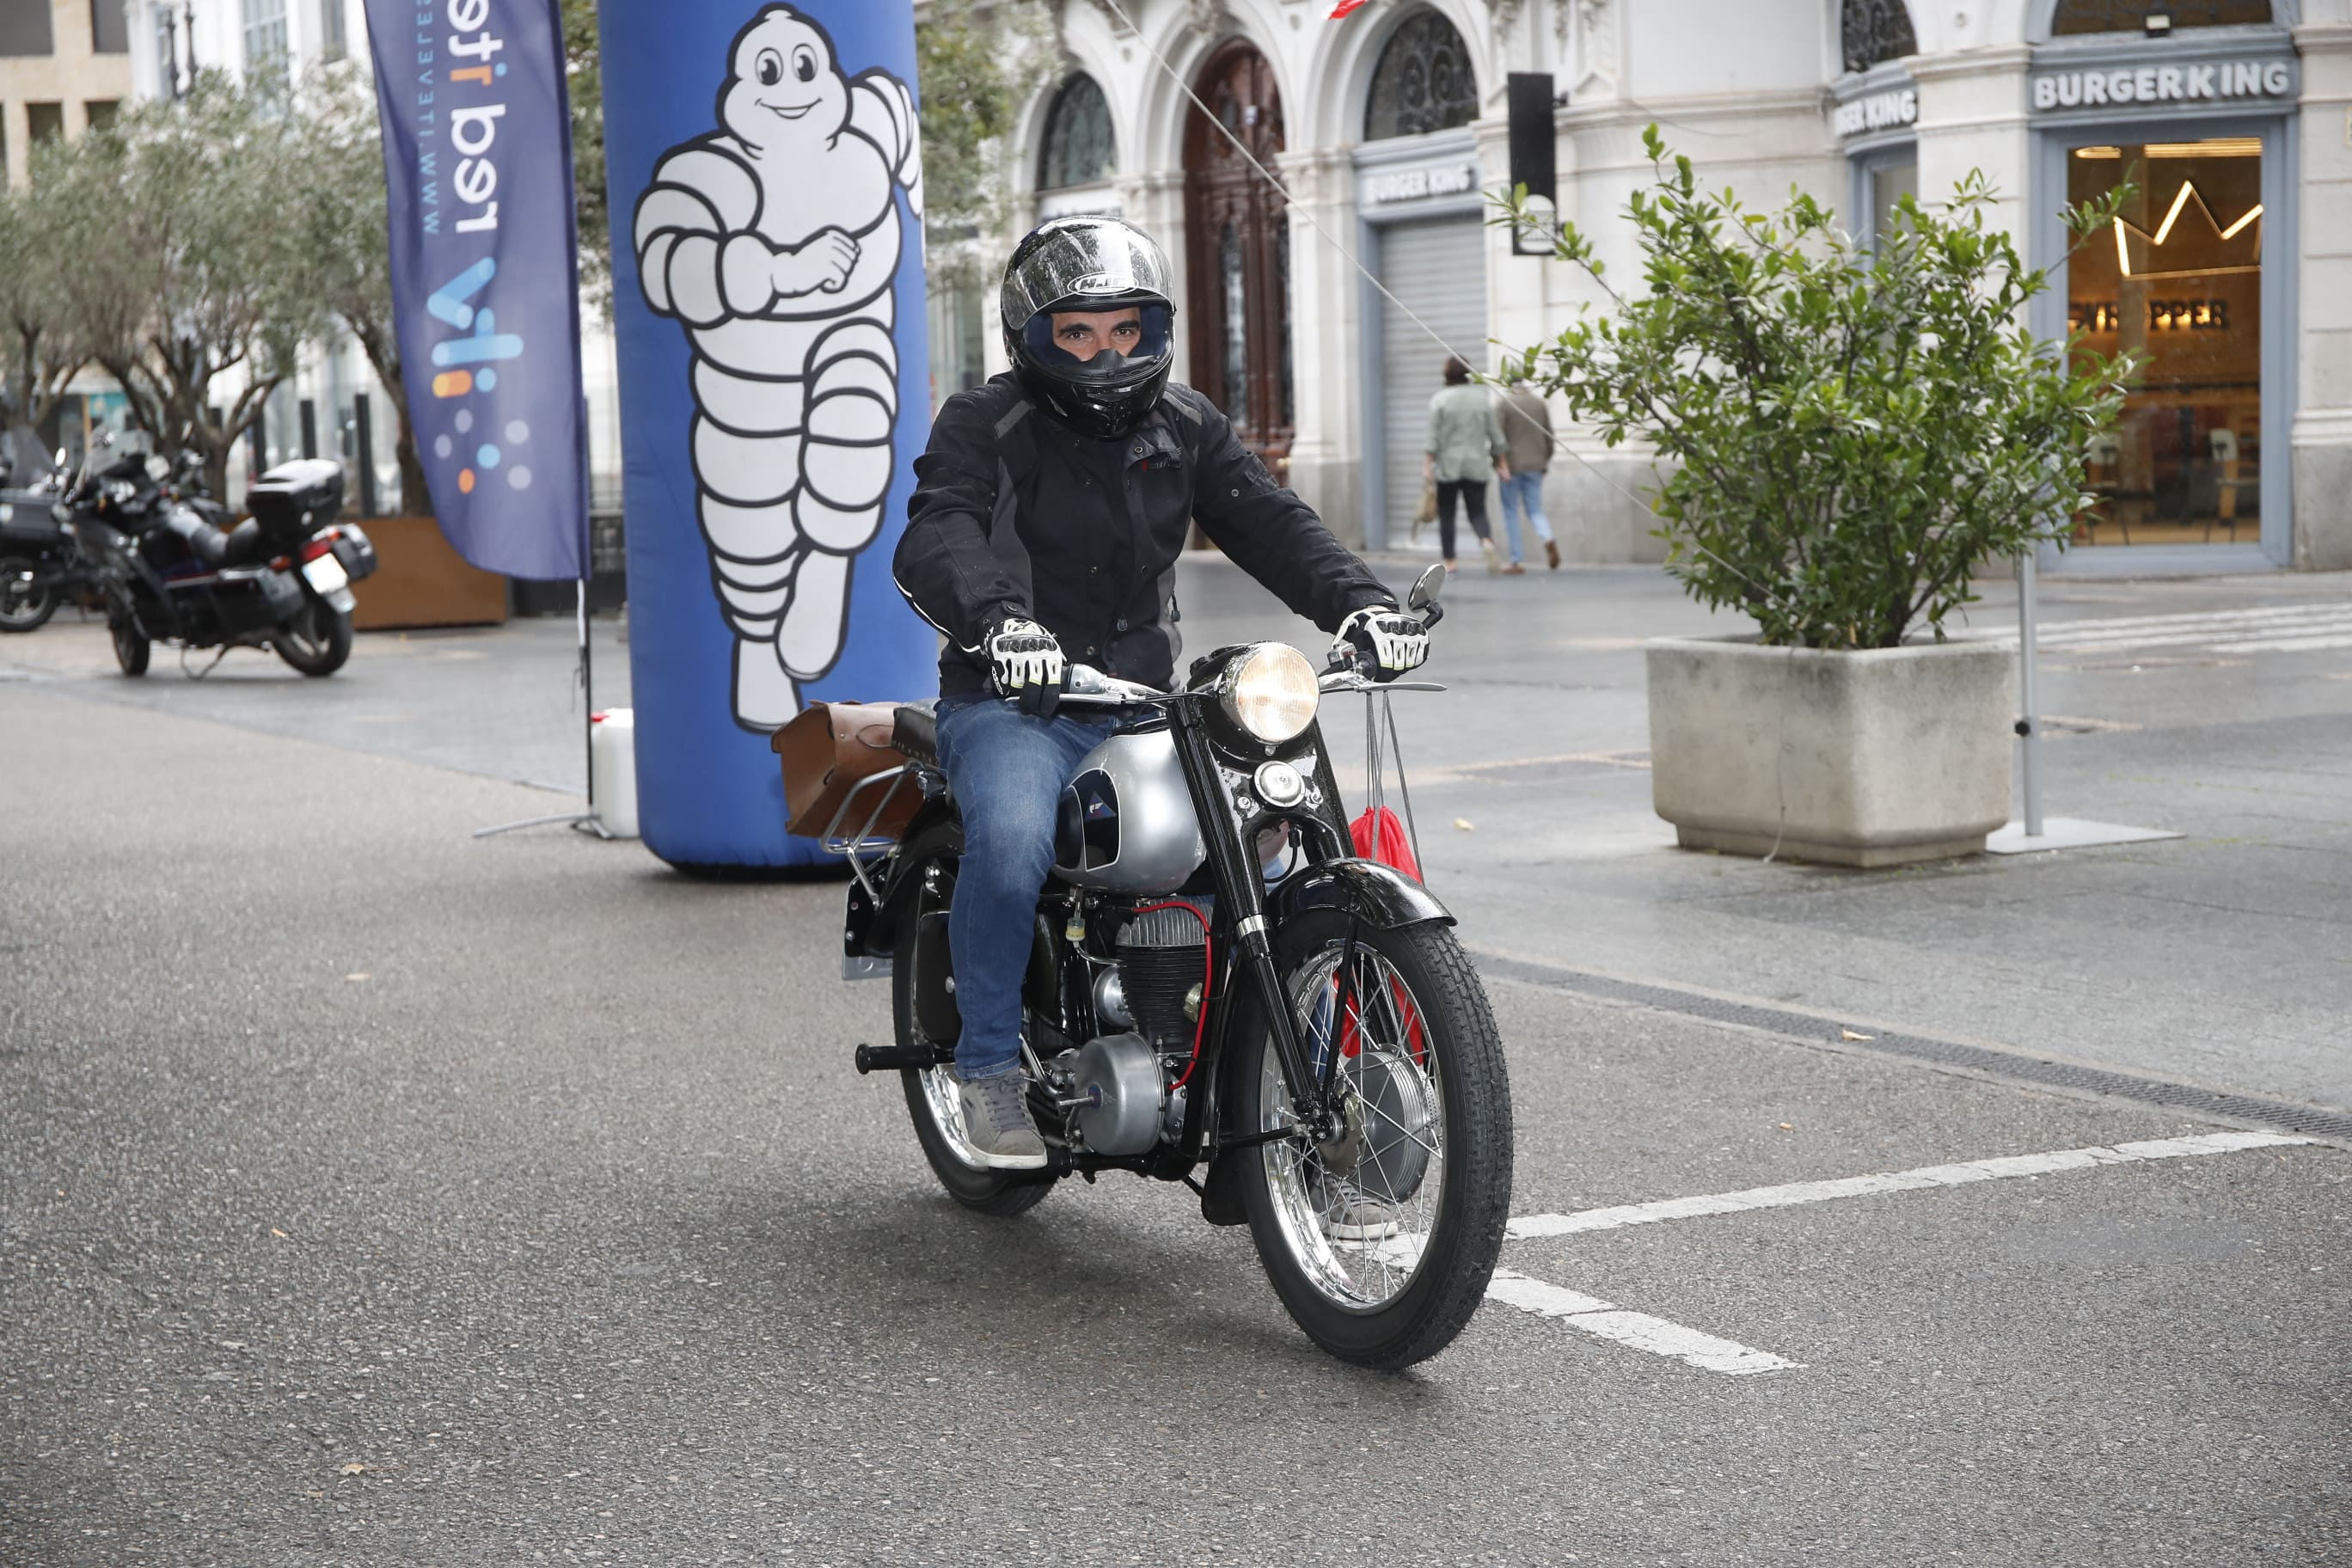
1048 514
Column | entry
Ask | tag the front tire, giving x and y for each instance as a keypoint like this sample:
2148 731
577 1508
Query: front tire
1382 1243
132 647
23 609
931 1105
316 641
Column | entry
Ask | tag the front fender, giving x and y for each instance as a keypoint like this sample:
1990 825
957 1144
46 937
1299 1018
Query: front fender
1380 895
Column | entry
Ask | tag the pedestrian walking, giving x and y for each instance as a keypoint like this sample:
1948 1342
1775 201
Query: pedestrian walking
1465 444
1526 436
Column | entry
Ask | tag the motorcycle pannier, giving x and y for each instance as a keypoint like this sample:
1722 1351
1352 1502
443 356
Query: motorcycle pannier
827 751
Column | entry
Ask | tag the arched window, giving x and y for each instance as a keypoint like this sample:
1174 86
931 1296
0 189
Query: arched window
2131 15
1422 83
1079 145
1877 30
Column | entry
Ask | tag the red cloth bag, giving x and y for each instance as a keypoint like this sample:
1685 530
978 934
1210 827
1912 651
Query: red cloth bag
1380 836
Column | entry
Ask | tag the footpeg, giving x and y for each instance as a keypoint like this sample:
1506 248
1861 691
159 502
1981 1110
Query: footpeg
901 1058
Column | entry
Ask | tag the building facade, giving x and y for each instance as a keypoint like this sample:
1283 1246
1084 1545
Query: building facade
65 66
1315 313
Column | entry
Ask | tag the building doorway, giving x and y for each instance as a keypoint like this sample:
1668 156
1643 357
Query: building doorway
1237 251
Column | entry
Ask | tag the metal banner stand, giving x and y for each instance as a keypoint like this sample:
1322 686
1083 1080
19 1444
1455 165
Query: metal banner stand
2034 833
585 821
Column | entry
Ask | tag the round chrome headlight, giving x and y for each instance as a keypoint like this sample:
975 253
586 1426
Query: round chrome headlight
1271 692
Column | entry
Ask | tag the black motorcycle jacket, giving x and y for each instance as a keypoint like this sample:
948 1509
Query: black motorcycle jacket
1015 514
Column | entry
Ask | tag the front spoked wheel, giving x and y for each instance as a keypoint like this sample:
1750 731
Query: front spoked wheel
1381 1240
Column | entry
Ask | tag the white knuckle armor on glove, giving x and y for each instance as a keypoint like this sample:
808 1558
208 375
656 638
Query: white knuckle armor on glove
1022 653
1395 641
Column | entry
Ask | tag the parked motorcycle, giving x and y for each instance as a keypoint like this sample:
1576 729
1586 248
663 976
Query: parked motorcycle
39 567
172 570
1218 979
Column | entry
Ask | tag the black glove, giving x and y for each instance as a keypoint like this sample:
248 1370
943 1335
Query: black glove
1383 641
1027 662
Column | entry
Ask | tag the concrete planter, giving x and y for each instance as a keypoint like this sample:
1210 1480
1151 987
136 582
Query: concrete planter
1852 759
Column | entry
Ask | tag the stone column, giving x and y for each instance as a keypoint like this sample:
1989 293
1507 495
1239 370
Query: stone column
1972 116
2321 442
1326 332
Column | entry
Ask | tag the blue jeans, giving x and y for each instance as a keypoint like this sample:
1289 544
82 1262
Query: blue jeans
1007 770
1524 492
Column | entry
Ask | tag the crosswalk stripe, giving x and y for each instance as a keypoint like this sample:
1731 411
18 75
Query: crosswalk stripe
2254 614
2289 645
2279 628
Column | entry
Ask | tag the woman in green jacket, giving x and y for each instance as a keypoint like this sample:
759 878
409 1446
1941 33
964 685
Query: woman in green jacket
1465 444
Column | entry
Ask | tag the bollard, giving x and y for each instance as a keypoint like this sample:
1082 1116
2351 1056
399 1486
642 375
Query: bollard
764 176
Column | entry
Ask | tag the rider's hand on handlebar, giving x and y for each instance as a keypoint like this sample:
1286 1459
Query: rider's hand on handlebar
1383 642
1027 663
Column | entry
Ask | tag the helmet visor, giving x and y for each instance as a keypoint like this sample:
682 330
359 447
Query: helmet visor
1102 347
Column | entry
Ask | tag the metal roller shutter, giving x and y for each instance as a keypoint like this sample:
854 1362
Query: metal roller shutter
1438 268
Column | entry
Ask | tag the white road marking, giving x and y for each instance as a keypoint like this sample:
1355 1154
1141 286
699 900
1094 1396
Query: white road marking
1591 1315
2290 645
1795 1193
2274 628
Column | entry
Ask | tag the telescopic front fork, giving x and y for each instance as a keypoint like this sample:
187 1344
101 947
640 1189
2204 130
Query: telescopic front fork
1243 888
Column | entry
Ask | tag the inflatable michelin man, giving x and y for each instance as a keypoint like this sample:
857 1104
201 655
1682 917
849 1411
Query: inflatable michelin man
775 240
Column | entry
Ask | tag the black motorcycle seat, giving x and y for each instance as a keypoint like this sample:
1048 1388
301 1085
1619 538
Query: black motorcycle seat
244 542
215 549
914 733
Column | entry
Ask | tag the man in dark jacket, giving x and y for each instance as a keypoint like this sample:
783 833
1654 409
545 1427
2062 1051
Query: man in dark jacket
1048 515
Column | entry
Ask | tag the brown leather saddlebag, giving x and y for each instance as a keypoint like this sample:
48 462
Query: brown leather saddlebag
826 749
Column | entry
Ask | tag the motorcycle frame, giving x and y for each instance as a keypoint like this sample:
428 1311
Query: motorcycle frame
1245 929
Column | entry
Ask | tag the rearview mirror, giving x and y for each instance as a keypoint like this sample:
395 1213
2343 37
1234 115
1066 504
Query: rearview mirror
1424 589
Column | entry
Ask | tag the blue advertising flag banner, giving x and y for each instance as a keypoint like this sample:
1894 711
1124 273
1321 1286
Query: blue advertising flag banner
485 268
765 181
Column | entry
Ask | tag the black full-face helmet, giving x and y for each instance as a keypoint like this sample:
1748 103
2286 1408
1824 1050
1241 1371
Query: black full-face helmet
1089 266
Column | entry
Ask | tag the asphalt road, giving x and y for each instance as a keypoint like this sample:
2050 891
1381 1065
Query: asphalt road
375 1194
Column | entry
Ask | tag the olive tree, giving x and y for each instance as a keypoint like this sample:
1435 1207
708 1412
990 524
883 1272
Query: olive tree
1851 429
188 258
347 225
39 352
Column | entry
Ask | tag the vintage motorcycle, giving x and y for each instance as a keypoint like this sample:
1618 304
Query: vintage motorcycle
1219 979
172 572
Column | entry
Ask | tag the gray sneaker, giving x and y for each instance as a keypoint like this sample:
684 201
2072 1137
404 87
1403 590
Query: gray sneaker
996 1121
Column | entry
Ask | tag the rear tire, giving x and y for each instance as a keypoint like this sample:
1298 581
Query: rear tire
132 647
1461 1057
316 641
23 609
930 1094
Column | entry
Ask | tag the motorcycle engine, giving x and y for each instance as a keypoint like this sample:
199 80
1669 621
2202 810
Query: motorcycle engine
1160 962
1154 994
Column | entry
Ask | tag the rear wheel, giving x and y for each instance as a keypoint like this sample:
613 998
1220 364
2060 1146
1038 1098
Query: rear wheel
131 646
931 1104
22 607
317 641
1380 1242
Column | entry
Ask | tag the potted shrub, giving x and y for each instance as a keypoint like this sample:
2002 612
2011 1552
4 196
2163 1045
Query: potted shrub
1847 433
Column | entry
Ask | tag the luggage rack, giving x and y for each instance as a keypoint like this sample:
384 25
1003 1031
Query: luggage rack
863 848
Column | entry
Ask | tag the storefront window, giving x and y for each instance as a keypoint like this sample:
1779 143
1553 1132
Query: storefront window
2177 276
2073 17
